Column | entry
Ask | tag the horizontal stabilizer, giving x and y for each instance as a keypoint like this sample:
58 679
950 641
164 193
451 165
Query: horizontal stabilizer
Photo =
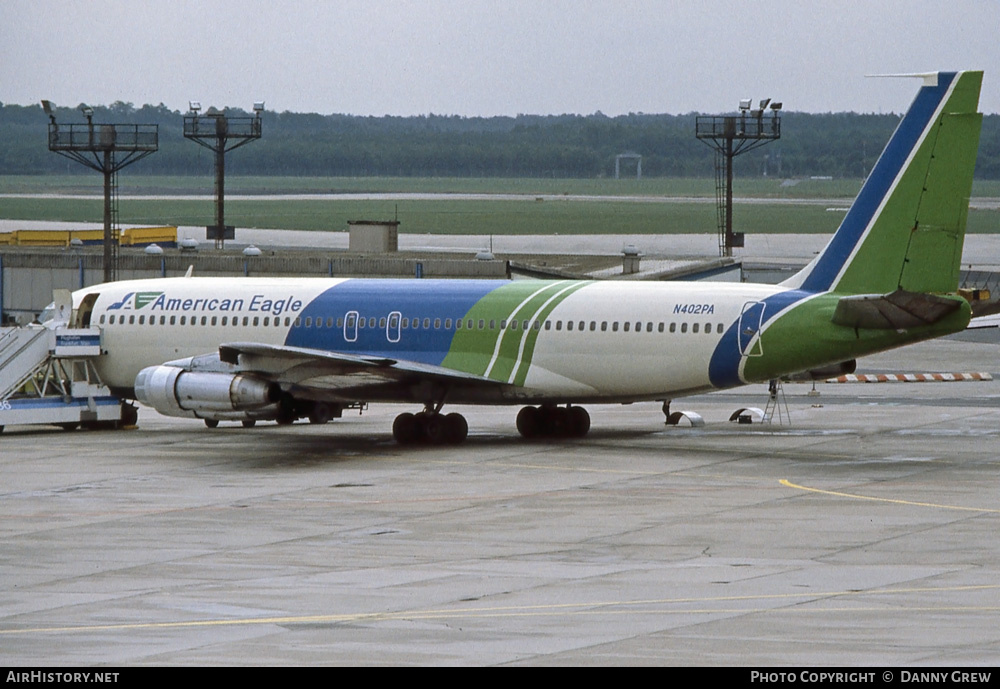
895 311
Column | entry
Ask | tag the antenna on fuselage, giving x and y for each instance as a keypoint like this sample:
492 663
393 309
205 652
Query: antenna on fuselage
190 271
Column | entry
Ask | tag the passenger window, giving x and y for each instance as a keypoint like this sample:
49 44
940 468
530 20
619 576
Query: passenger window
131 320
684 327
458 324
173 320
493 325
381 322
694 327
626 325
427 324
581 324
482 324
469 323
163 320
660 327
593 326
371 322
513 324
569 325
447 324
184 320
256 321
719 328
214 317
708 328
604 326
558 325
204 320
649 327
142 320
329 322
548 325
614 327
673 327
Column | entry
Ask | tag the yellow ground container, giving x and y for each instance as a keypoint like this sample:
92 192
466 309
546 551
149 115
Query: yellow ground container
41 237
165 236
139 236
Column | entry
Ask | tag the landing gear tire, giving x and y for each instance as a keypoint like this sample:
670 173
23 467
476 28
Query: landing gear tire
406 429
553 422
129 415
529 422
457 429
320 413
249 423
212 423
430 427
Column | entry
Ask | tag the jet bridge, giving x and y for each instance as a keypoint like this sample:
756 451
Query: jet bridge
47 376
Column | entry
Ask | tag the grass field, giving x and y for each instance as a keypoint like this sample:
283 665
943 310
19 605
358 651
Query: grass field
148 184
659 215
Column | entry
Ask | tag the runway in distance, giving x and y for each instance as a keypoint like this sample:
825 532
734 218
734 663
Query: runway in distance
282 349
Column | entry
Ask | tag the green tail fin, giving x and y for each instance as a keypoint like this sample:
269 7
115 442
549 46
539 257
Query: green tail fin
906 228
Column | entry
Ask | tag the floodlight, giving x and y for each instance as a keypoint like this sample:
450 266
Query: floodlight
258 106
745 104
194 105
776 106
763 103
87 111
49 107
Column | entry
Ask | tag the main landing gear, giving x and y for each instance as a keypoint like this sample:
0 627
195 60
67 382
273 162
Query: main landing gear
430 426
553 422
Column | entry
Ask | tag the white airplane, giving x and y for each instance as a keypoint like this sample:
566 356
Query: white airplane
282 349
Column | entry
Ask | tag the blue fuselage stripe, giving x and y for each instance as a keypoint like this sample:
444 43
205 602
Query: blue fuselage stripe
373 300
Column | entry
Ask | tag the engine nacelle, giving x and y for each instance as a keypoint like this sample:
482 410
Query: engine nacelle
176 392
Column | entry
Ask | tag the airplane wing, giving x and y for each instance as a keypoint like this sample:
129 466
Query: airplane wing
335 375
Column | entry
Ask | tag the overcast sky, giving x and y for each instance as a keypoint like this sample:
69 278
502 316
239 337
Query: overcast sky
492 57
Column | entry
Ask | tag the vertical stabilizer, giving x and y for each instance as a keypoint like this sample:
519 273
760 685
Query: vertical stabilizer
906 228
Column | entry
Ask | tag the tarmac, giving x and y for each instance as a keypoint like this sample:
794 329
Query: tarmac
858 530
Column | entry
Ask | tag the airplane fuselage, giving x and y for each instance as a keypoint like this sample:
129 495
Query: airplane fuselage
558 340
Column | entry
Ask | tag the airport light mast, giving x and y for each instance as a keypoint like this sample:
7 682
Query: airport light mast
219 133
106 148
732 135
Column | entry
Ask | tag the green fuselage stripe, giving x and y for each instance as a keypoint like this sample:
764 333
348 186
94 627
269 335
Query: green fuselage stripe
495 352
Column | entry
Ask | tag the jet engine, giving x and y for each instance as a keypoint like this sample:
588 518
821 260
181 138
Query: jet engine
175 392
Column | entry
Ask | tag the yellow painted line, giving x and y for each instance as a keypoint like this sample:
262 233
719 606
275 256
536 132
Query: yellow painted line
854 496
572 609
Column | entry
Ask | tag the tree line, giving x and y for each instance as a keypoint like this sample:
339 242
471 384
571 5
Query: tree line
840 145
